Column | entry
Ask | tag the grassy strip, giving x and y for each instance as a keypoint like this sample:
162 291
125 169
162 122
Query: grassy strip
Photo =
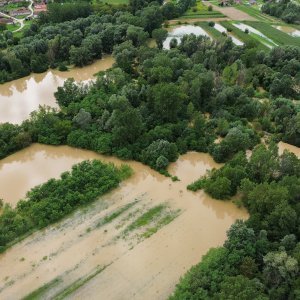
214 33
77 284
109 218
201 17
161 223
146 218
40 292
276 35
244 37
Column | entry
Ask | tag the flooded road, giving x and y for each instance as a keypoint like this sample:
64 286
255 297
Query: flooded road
135 268
18 98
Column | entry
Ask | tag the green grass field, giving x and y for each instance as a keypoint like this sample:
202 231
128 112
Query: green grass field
12 27
242 36
214 33
276 35
201 11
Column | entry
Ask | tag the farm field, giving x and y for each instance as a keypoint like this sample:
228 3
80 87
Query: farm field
201 11
276 35
241 35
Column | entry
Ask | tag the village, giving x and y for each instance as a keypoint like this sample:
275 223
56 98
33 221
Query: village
12 10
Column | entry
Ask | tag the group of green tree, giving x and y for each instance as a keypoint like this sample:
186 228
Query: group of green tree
74 33
261 257
51 201
155 104
287 10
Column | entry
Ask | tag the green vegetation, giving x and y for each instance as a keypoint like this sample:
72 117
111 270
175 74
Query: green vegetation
248 40
214 33
77 284
51 201
254 12
41 291
199 10
285 9
276 35
177 101
146 218
152 220
260 259
115 214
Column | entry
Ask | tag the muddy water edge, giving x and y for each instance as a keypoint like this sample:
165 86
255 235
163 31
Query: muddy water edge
20 97
139 265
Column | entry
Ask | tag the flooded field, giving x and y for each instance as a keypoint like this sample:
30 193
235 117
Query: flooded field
98 249
221 29
256 33
179 31
20 97
289 30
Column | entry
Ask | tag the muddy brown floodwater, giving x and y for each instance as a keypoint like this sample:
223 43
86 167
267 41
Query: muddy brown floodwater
20 97
74 247
284 146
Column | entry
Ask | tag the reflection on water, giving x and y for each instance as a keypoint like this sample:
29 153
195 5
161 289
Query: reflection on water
221 29
179 31
254 31
20 97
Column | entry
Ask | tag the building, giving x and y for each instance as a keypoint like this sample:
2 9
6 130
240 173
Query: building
20 12
38 8
6 21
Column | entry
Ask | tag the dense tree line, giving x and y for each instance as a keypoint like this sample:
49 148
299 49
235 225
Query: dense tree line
78 33
261 257
51 201
155 104
286 10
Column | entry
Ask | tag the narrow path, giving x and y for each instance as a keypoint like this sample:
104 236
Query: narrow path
20 21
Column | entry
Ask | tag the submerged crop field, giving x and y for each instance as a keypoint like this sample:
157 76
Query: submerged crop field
150 150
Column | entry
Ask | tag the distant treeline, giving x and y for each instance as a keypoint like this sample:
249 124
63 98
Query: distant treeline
286 10
78 33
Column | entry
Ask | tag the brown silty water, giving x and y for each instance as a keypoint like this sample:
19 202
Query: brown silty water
136 269
20 97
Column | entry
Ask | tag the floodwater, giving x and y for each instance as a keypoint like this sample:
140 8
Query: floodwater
284 146
179 31
268 42
289 30
18 98
147 269
221 29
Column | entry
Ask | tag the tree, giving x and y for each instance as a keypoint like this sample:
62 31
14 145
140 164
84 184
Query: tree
166 99
159 35
240 287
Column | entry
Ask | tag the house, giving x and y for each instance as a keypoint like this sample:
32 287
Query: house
38 8
20 12
6 21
